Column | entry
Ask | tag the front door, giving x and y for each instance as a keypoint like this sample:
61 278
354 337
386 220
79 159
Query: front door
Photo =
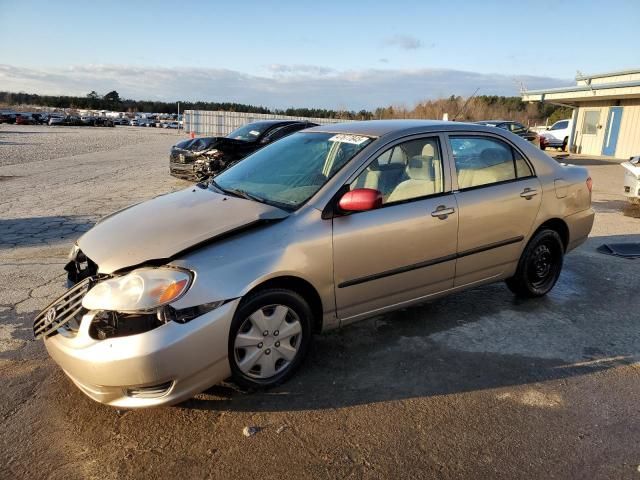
611 131
406 249
498 201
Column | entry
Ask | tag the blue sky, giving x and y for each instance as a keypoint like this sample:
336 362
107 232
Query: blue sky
310 53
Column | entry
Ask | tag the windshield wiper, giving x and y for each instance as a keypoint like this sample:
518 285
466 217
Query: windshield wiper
238 193
250 196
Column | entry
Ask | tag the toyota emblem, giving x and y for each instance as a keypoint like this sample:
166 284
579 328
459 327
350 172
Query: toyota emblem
51 315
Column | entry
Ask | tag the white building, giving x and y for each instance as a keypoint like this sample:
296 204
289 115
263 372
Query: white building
606 112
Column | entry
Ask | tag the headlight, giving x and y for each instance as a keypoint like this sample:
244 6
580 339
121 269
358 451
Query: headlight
140 290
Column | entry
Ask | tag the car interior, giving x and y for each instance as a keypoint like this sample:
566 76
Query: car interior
414 169
408 170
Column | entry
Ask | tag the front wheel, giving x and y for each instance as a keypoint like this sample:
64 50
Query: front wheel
269 338
539 266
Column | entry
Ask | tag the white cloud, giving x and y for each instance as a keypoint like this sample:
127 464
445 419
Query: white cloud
285 86
405 42
281 69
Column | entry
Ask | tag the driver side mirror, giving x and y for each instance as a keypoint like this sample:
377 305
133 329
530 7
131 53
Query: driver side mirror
360 200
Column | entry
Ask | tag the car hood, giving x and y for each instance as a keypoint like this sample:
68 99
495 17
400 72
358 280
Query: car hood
166 225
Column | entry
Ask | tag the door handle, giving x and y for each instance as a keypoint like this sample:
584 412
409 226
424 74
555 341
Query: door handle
442 212
529 193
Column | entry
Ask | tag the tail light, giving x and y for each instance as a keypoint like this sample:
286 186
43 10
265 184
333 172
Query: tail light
589 184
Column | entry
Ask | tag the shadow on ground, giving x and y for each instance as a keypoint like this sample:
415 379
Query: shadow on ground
33 231
32 132
610 206
586 162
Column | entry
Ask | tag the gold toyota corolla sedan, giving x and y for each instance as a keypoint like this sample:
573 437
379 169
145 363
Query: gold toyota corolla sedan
231 278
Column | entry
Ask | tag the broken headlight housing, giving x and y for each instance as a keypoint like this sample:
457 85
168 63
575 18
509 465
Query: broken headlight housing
141 290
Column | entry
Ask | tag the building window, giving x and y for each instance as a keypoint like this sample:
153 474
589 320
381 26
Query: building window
590 124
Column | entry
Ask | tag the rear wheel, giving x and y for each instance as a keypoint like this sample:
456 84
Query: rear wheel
269 338
564 144
539 266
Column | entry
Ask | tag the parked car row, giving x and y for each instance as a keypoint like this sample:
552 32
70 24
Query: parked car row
514 127
42 118
75 120
202 157
143 122
555 136
24 118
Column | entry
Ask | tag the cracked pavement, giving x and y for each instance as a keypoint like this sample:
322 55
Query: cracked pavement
478 385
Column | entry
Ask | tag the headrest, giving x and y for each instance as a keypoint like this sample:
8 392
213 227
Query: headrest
493 156
428 150
420 168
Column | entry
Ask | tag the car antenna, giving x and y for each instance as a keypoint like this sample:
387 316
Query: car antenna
465 105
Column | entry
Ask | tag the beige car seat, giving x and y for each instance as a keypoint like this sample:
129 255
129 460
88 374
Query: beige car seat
499 167
369 178
423 177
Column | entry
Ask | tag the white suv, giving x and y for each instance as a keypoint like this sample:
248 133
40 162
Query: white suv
557 135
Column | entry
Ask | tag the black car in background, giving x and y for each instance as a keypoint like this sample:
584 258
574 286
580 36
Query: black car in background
205 156
8 117
514 127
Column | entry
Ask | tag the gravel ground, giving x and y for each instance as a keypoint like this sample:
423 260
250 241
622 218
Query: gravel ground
23 143
478 385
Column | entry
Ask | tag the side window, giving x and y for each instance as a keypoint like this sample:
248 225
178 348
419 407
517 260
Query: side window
197 145
484 161
560 126
517 128
274 134
406 171
590 122
523 170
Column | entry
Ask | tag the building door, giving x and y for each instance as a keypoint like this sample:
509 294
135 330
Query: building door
611 131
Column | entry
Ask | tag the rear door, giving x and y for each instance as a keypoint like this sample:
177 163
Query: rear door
406 249
498 197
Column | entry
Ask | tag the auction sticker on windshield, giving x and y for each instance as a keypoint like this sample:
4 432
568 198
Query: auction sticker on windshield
344 138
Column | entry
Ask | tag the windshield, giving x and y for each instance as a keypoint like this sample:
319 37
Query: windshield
290 171
184 143
250 132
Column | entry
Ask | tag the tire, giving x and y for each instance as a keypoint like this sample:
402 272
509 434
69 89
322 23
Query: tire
564 144
260 361
539 266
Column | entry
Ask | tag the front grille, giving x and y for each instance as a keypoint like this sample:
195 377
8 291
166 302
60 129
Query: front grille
62 311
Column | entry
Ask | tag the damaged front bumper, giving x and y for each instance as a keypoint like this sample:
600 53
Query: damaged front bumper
184 170
163 366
